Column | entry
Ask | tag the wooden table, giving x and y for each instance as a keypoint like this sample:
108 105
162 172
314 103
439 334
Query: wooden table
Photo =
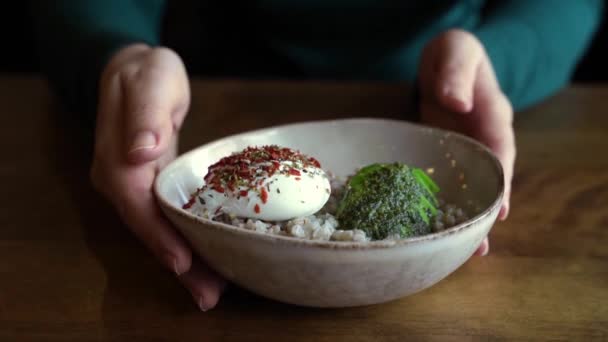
70 271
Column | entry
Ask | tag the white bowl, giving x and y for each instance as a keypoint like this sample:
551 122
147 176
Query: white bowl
341 274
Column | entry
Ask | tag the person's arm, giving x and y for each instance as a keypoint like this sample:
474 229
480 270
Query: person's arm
77 38
534 45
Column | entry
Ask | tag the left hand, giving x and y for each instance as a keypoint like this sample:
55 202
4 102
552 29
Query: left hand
459 91
144 98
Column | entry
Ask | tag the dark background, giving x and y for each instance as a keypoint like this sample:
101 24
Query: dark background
18 53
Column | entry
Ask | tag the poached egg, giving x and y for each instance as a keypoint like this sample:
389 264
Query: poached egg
269 183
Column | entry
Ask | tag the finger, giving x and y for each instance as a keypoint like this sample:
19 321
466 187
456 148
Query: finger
507 158
504 149
504 209
138 208
125 55
494 111
458 55
157 98
484 248
204 285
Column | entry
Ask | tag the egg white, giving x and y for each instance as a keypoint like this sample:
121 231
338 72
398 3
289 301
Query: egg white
288 197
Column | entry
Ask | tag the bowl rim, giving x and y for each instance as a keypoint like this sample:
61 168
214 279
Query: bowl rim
204 223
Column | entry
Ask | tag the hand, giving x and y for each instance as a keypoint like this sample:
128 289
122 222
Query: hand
144 98
459 91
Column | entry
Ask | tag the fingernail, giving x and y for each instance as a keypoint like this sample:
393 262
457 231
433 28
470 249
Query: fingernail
143 140
173 263
175 268
504 212
485 251
484 248
453 93
201 304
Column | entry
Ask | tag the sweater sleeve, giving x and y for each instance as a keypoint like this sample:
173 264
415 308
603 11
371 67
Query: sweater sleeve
77 38
534 45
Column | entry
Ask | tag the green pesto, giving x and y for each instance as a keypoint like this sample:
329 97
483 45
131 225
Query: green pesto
389 200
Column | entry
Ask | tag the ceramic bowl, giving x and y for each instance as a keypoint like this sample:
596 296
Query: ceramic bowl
342 274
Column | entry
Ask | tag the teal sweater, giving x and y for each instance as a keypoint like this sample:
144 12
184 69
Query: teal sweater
534 45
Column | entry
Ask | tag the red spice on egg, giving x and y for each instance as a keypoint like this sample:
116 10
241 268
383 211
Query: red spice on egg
192 199
264 195
190 203
256 208
249 168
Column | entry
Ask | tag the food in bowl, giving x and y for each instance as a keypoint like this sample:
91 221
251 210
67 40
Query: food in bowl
389 200
320 273
278 190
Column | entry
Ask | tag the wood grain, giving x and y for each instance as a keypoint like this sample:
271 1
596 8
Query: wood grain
70 271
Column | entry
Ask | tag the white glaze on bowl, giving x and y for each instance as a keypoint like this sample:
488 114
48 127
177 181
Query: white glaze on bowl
339 274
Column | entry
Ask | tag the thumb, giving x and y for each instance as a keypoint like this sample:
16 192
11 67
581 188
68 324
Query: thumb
458 55
157 99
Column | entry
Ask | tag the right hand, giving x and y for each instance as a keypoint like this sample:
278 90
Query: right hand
144 98
460 92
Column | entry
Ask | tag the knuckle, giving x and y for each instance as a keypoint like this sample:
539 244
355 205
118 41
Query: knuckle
457 34
130 74
110 75
452 35
119 71
463 38
126 56
166 59
163 51
165 56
